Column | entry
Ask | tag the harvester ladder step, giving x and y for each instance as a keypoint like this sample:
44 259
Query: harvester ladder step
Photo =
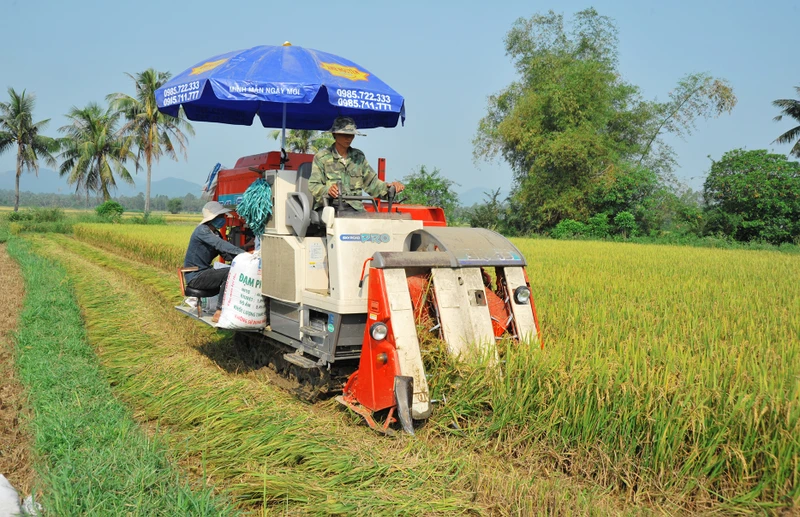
299 360
314 331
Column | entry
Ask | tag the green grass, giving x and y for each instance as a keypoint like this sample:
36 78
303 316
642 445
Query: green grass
689 240
711 241
93 459
56 220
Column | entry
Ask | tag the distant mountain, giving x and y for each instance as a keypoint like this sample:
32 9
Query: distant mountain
170 187
50 182
480 195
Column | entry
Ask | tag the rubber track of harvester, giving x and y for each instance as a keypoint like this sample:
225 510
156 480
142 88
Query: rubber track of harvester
308 384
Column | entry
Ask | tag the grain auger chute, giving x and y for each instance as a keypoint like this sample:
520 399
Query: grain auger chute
441 280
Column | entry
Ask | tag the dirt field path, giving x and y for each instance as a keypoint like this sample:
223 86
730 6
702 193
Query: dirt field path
14 443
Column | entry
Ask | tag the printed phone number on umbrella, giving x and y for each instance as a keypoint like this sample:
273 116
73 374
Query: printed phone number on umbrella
182 88
181 98
365 105
182 93
365 96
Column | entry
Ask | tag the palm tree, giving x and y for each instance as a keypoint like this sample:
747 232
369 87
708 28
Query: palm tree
154 133
93 150
305 140
17 127
790 108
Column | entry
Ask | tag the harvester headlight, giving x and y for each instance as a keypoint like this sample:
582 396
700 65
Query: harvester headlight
379 331
522 295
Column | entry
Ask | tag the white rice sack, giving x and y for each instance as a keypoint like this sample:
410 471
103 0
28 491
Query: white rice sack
9 498
243 305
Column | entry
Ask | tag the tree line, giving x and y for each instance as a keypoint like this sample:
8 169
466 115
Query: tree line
100 143
187 203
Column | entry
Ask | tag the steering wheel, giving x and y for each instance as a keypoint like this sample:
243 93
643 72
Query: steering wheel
391 194
340 199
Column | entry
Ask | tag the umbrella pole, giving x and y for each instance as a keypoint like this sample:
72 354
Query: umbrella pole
283 137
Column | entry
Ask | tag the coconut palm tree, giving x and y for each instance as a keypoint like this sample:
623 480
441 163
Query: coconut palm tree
18 128
155 134
93 150
304 140
790 108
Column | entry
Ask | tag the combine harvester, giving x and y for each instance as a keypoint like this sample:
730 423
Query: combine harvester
345 291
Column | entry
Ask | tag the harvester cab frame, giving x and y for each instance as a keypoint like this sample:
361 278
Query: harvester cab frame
346 292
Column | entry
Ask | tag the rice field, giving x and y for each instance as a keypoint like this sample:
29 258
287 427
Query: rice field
670 378
159 246
677 367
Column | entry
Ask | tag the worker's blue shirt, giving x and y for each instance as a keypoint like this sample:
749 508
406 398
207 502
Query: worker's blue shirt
204 245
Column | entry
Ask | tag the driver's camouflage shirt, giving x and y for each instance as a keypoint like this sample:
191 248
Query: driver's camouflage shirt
354 172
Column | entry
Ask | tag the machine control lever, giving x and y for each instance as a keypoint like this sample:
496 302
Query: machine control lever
390 194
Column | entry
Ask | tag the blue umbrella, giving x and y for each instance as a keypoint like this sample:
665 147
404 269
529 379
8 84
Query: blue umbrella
286 86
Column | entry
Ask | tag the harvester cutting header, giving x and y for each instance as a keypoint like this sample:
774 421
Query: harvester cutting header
347 280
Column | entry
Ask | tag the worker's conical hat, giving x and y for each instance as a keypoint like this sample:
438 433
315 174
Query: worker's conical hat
211 210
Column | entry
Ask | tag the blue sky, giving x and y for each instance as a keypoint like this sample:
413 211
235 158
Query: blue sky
445 58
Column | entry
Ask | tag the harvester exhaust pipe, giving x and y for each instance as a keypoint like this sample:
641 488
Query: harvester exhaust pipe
403 392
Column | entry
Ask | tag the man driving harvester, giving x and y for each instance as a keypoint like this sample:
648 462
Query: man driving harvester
347 165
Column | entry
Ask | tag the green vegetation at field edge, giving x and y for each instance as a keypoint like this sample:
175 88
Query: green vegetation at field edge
93 458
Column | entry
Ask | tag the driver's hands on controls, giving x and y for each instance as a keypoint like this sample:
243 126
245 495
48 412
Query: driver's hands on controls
334 191
399 187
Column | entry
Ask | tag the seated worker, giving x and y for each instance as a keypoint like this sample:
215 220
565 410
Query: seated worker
340 162
204 245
